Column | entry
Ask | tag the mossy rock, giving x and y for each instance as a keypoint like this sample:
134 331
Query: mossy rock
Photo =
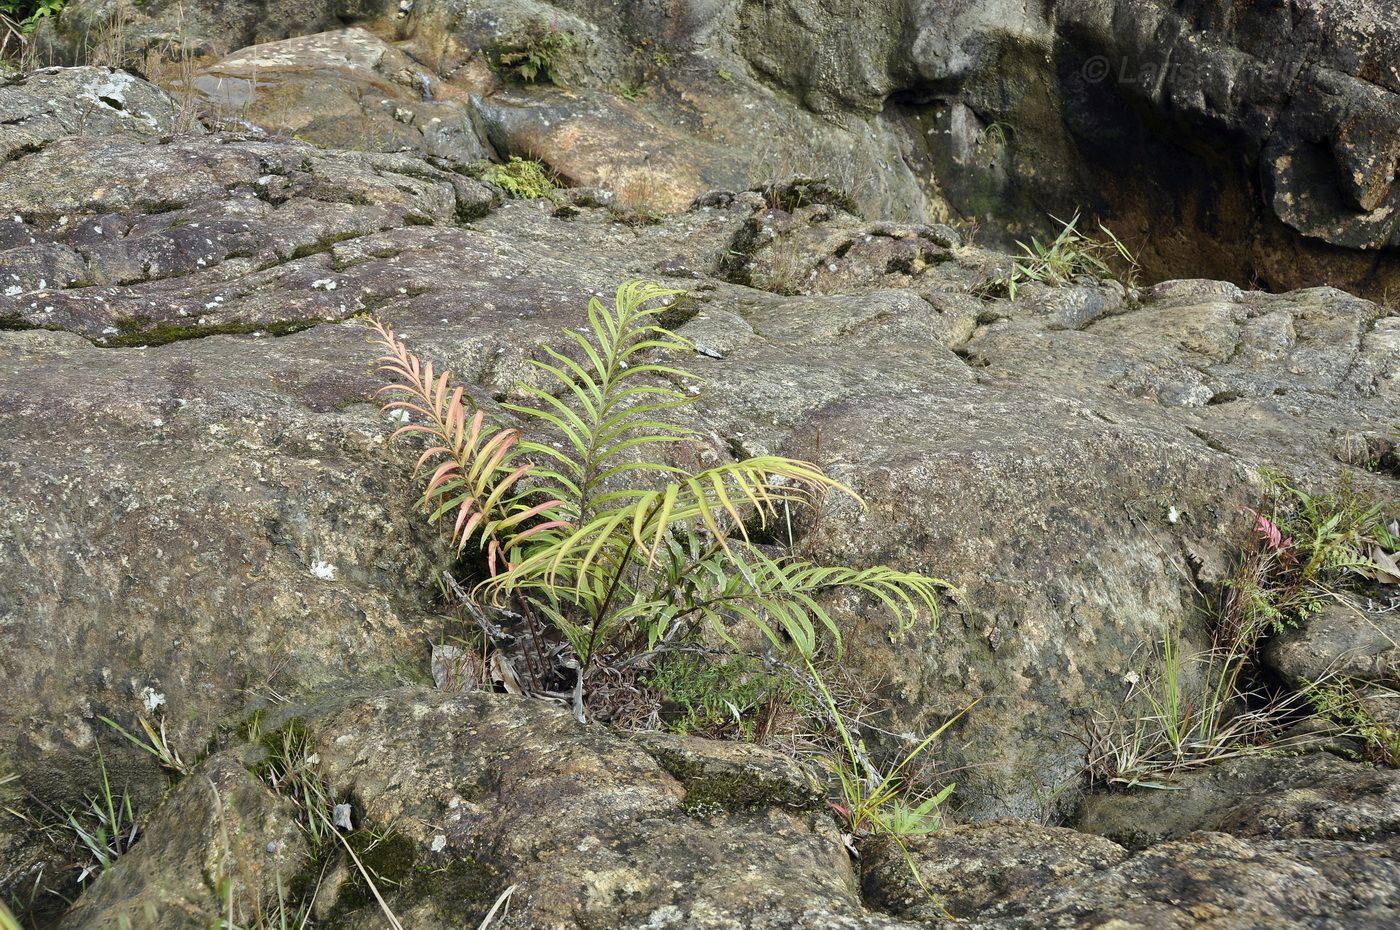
733 776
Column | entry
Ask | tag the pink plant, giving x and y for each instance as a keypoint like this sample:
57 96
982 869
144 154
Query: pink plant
1268 532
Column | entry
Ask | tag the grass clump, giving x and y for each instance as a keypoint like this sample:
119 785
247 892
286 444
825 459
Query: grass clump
522 179
291 767
107 827
90 838
536 51
1184 711
1070 254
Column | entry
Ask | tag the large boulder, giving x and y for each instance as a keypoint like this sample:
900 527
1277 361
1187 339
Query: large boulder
123 32
221 846
1316 795
973 867
592 829
347 89
54 103
1212 881
1342 640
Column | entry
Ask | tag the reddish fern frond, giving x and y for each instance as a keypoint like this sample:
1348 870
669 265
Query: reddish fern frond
475 474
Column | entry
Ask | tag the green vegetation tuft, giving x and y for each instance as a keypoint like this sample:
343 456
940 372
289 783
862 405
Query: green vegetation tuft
522 179
1070 254
1307 548
24 15
1345 705
716 697
616 555
535 52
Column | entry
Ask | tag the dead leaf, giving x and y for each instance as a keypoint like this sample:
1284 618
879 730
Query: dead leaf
1387 569
503 674
452 669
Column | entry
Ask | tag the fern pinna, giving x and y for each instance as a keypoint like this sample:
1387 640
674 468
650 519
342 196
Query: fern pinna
584 525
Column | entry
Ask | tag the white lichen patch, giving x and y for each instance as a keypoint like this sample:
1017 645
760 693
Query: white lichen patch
151 699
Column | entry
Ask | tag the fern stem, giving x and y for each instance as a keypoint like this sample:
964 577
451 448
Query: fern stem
613 585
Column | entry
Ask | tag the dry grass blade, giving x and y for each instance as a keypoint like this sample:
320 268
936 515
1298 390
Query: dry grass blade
501 907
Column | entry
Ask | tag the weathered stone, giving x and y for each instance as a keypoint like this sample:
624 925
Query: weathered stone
1343 640
218 517
486 792
347 89
1215 881
243 230
221 831
190 539
973 867
125 31
38 108
1315 796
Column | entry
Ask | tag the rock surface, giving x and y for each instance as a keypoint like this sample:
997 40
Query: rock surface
347 89
220 831
484 793
1211 880
974 867
203 513
1317 796
1343 640
1266 135
56 103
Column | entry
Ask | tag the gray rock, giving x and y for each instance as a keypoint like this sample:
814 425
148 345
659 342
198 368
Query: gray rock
972 867
124 31
1341 641
483 792
1215 881
52 103
347 89
1315 796
219 516
220 829
948 110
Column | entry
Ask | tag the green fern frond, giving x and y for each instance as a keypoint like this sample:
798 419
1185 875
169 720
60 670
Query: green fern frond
615 550
606 402
635 523
781 595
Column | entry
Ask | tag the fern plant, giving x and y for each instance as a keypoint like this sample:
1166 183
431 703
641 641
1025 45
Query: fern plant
522 179
536 51
584 527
